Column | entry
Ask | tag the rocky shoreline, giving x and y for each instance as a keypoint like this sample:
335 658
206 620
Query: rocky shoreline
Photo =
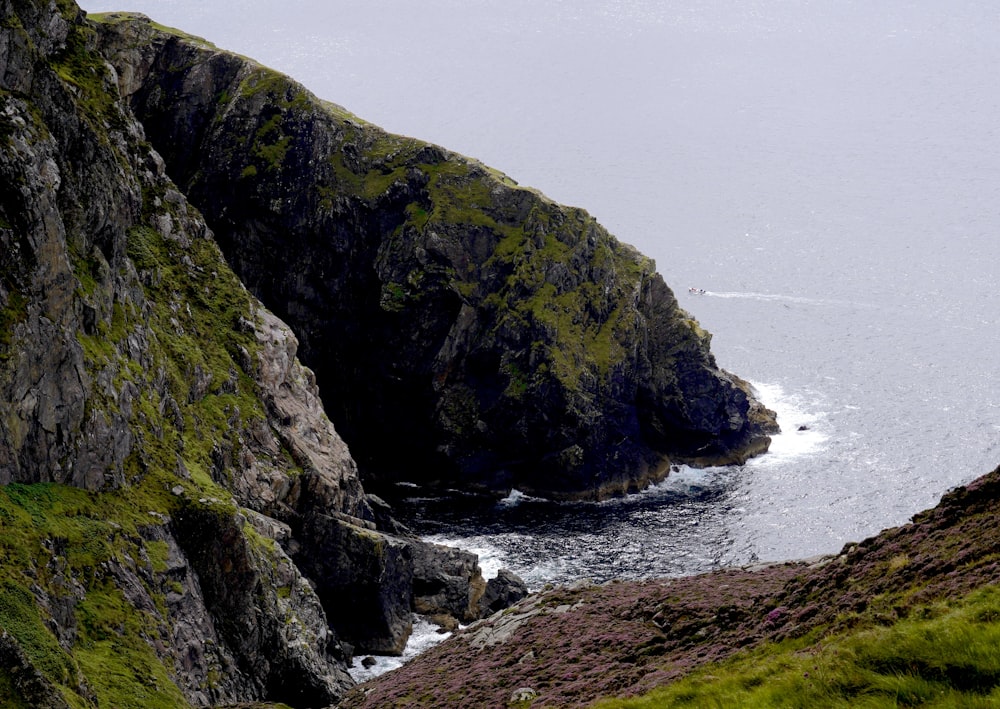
186 508
571 646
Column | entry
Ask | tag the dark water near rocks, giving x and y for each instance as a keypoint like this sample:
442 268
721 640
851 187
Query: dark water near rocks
828 172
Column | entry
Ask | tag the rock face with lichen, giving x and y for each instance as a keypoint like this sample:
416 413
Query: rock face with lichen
170 480
493 338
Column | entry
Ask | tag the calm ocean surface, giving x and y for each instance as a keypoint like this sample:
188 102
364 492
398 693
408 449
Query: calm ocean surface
829 172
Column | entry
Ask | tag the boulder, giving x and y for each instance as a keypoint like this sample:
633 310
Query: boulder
502 591
446 581
363 577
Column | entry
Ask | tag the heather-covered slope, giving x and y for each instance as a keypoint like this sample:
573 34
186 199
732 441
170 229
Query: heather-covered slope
573 646
463 329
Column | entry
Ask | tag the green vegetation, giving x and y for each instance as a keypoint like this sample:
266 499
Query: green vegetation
199 314
282 100
119 663
95 93
584 319
583 324
15 312
368 160
19 616
944 655
195 324
179 344
108 17
50 534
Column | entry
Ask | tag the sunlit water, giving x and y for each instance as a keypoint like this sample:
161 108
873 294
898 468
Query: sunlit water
827 172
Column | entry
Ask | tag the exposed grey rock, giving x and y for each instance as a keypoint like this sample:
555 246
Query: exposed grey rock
263 609
97 390
502 591
364 577
297 416
28 684
446 580
523 694
133 362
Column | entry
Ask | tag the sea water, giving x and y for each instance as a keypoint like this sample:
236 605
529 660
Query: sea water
827 172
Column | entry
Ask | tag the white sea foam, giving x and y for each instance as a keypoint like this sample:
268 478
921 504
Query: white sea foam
684 480
803 426
514 498
782 298
490 557
425 636
763 296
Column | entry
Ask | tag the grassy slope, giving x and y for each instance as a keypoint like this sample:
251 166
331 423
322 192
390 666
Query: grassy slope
946 654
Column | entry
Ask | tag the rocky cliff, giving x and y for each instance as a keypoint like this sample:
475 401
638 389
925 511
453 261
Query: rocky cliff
464 330
180 523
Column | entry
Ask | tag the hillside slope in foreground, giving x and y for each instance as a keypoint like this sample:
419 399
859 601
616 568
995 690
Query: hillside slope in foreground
910 617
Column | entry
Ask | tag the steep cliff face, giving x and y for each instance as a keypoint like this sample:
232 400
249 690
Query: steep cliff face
168 470
491 337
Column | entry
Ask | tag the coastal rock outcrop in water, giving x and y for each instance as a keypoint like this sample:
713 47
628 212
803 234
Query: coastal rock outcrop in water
464 330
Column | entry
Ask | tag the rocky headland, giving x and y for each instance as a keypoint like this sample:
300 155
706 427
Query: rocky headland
181 524
493 338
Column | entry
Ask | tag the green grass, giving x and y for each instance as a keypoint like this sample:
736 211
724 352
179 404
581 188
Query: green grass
92 84
60 541
947 655
120 665
114 17
16 311
20 616
50 533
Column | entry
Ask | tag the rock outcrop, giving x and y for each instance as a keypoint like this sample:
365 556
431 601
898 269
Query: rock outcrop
497 339
180 522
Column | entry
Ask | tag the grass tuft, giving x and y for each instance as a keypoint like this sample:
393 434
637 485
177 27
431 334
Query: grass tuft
947 657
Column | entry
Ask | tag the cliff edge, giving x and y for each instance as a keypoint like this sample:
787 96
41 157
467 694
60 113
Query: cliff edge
463 330
181 524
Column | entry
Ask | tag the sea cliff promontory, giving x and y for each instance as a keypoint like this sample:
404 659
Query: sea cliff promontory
181 523
463 330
